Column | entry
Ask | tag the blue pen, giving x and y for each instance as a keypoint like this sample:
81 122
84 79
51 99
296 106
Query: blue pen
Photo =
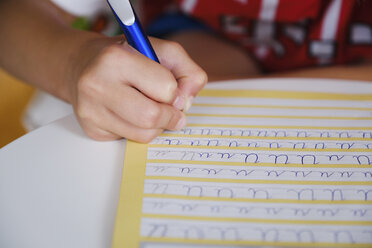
132 28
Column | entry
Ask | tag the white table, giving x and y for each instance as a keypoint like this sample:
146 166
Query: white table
58 188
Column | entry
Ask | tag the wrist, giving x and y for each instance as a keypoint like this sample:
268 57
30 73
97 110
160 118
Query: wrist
83 47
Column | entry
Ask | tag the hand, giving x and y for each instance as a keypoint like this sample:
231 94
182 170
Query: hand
118 92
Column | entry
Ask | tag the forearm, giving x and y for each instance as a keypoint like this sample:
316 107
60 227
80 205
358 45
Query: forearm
222 60
219 58
37 45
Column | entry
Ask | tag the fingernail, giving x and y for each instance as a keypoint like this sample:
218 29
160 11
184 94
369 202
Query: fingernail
179 103
181 123
188 104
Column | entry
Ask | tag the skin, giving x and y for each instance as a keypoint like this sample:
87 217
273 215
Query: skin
222 60
115 91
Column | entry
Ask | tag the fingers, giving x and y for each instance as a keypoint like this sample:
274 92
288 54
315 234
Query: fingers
96 128
92 131
190 77
143 112
118 110
149 77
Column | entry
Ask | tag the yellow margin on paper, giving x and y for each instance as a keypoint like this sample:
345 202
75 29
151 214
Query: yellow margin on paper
280 117
278 94
129 210
253 181
323 128
247 243
234 137
257 220
215 105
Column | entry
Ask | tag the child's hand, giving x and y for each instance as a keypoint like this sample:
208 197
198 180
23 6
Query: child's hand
115 91
121 93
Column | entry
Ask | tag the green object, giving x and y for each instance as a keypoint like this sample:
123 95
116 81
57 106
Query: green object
81 23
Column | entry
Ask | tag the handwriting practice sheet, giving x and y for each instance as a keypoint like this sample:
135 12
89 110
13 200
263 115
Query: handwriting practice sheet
278 163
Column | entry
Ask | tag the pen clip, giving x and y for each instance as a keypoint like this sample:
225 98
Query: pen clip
132 28
123 10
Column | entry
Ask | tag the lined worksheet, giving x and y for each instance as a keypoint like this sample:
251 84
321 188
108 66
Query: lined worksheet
261 163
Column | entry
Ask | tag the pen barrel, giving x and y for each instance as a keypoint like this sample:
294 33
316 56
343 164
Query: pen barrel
137 38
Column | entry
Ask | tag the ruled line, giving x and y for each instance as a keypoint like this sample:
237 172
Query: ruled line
320 128
279 116
255 181
257 220
256 164
277 94
241 243
215 105
262 137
